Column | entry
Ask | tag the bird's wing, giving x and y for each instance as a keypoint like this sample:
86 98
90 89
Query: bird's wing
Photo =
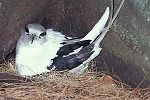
67 49
73 60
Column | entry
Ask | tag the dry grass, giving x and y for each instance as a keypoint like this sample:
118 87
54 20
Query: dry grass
64 86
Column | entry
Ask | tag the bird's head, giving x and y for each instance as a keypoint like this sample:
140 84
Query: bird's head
34 33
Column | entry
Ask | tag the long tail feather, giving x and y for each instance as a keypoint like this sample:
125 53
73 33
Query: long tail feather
98 28
102 35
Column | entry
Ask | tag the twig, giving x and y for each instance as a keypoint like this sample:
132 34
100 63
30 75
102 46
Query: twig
116 14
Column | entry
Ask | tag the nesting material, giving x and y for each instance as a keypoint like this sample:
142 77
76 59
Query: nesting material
64 86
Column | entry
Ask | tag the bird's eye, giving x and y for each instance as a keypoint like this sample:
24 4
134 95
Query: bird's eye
26 29
43 34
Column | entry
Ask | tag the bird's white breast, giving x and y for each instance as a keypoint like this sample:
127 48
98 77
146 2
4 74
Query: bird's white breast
34 59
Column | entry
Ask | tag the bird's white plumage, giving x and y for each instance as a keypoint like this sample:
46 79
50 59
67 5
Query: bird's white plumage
33 58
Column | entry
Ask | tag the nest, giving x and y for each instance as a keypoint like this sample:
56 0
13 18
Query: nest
65 86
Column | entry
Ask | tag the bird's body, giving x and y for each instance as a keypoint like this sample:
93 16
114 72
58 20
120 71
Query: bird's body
34 58
41 50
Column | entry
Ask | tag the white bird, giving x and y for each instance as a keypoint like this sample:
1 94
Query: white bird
42 50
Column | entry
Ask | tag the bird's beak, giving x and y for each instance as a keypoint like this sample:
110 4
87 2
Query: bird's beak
32 38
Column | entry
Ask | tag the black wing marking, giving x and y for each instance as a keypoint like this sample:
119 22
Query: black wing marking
69 48
72 61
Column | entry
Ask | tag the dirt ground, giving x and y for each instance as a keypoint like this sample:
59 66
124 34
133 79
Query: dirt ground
64 86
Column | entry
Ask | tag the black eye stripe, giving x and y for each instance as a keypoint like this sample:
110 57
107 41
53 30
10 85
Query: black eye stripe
26 29
43 34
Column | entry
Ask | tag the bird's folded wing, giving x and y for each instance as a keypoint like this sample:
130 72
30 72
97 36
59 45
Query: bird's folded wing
70 48
73 60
